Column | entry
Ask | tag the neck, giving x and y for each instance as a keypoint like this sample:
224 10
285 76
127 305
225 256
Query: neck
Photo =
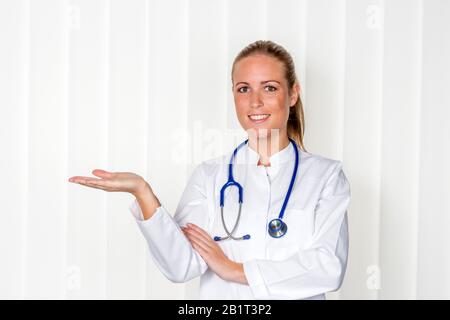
267 146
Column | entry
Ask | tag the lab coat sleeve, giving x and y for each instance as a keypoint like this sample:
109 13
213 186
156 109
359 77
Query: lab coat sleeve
169 248
321 265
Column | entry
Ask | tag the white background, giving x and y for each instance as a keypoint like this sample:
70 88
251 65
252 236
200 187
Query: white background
123 85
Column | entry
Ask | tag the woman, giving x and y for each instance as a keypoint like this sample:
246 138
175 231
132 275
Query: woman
287 238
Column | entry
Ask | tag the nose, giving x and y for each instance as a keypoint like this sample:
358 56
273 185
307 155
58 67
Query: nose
255 100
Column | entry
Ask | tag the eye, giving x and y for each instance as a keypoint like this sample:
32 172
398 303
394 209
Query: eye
272 88
239 90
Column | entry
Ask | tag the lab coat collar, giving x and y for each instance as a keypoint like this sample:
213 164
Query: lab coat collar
249 156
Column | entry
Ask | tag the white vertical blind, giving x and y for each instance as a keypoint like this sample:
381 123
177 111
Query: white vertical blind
400 149
166 118
89 109
144 86
362 137
433 241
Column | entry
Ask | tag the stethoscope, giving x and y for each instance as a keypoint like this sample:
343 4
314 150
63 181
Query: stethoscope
276 227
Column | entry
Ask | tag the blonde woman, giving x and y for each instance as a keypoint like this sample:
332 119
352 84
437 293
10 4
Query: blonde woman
267 220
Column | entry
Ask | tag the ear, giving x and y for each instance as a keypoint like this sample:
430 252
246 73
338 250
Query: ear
295 94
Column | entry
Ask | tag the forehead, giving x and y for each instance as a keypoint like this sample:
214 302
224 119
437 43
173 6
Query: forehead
258 67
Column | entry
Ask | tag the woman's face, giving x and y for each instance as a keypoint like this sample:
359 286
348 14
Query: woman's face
261 95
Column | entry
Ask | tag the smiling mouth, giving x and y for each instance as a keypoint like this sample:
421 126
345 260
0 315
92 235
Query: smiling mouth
258 118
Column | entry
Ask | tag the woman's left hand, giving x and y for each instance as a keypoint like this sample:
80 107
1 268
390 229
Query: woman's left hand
213 254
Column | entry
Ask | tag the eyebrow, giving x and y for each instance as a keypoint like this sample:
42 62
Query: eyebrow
262 82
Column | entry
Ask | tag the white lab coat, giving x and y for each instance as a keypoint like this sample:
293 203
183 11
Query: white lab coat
307 262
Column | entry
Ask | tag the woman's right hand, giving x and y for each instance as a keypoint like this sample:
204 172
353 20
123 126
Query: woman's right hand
114 182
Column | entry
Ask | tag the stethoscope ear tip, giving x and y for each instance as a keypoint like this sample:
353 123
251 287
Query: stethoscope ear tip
246 237
216 238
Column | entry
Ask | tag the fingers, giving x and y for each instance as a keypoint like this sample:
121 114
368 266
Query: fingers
95 186
198 244
201 239
92 182
199 230
97 183
79 179
102 173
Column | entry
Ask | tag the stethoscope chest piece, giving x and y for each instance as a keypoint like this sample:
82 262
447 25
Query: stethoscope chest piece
277 228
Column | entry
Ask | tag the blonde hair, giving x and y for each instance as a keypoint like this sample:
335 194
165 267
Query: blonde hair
296 121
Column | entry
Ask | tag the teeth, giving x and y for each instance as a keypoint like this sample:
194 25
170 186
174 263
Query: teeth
259 116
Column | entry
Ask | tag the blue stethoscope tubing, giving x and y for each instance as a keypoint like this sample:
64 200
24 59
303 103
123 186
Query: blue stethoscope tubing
276 227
